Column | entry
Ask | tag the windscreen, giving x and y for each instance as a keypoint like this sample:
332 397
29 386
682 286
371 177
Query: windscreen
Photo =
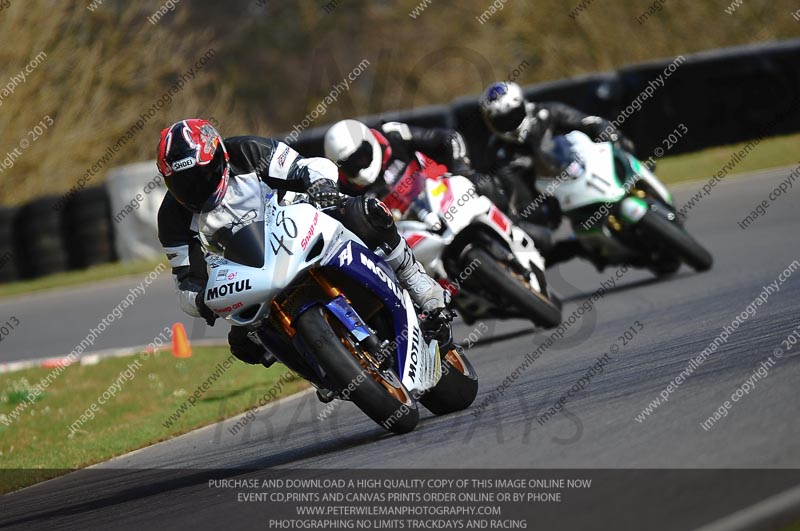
247 245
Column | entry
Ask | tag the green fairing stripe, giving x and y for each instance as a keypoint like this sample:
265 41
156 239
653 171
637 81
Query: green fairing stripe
637 168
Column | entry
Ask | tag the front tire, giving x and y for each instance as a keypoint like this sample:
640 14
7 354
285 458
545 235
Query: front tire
379 394
513 289
456 389
676 240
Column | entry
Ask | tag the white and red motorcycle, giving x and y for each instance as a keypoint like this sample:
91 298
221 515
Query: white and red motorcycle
490 265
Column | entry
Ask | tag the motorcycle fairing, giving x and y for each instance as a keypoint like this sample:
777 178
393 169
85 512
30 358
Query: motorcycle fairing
414 360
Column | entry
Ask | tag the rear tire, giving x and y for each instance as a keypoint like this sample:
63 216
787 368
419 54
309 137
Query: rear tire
677 240
457 387
513 290
323 335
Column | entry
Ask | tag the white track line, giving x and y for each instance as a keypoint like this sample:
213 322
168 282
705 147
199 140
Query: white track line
762 515
90 358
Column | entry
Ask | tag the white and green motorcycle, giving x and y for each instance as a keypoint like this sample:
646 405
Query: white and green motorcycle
619 210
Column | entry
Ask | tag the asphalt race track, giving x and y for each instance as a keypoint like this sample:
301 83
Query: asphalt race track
679 317
68 316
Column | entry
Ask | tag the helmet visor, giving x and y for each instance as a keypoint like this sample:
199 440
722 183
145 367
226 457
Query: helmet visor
359 160
509 121
194 186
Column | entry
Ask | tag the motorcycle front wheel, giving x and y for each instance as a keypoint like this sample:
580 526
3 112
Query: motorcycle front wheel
377 392
675 239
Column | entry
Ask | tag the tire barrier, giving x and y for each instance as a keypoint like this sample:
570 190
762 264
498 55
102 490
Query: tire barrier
38 240
722 96
8 259
86 228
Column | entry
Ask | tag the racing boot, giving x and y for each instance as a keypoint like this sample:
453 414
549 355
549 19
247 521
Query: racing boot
426 293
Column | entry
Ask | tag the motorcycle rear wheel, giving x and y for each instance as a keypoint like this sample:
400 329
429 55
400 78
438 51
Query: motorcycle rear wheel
456 389
513 289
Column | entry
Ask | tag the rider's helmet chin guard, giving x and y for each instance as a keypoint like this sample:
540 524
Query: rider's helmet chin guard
505 111
194 163
355 150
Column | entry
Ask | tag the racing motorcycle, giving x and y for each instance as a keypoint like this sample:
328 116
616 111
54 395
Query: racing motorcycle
490 265
311 293
619 210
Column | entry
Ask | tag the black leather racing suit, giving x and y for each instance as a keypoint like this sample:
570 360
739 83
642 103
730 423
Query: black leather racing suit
519 163
398 143
257 165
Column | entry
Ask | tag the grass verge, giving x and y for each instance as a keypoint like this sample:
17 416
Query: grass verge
40 444
78 277
769 153
793 527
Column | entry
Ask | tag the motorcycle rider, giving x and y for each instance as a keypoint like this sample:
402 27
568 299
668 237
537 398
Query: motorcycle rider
214 183
519 148
372 160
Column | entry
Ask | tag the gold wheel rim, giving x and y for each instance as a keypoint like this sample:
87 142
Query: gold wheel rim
454 359
365 359
524 281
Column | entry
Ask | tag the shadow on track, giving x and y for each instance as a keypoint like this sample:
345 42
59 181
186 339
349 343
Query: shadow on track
120 486
580 297
504 337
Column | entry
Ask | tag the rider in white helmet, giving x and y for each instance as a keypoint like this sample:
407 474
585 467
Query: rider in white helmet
371 160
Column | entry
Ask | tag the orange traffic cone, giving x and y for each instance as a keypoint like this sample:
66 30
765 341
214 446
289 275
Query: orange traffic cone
180 343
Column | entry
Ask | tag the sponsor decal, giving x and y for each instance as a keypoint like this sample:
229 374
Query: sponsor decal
228 309
499 219
208 139
214 261
385 208
221 274
346 256
447 196
282 157
182 164
232 275
414 358
378 272
228 289
307 237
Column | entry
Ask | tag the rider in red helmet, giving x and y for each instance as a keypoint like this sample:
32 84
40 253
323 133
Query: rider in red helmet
214 183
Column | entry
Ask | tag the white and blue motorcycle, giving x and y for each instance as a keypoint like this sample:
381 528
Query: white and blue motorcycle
311 293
